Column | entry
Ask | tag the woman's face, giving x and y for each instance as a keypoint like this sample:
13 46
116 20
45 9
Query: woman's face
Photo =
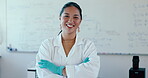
70 20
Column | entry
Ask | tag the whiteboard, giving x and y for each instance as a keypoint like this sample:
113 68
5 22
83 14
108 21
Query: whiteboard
115 26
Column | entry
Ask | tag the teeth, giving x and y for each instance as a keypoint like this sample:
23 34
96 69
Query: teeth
70 25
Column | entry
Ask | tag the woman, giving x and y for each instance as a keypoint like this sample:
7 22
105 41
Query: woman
68 55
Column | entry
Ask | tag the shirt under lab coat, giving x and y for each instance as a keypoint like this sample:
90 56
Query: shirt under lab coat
53 51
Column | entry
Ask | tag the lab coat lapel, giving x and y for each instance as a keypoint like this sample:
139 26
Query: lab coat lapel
75 46
58 43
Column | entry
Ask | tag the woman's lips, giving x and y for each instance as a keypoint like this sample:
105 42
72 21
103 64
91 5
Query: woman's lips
70 26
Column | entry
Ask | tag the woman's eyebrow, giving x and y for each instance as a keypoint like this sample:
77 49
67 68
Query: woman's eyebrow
66 13
76 15
69 14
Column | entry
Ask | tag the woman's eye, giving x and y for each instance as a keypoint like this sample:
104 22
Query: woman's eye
76 17
66 16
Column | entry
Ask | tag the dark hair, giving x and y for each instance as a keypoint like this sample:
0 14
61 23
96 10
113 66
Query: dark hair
69 4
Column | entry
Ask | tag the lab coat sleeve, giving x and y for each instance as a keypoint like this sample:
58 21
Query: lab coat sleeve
86 70
44 53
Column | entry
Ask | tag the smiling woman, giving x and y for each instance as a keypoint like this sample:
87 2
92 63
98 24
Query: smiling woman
70 21
72 15
68 55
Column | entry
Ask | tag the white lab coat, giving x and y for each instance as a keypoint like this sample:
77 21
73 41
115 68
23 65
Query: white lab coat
52 50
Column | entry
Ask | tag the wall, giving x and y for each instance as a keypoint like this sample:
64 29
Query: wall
117 66
112 24
14 65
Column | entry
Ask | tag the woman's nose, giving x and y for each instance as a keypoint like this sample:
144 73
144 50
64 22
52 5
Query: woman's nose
70 20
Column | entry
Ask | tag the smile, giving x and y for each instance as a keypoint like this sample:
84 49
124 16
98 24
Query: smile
69 26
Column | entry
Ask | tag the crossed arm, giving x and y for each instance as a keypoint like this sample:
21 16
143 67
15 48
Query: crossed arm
82 70
60 70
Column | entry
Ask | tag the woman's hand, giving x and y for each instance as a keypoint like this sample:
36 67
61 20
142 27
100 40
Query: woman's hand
51 67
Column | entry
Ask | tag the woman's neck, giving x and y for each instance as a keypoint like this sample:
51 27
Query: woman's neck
68 37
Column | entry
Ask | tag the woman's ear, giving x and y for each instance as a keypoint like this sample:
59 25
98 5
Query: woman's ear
78 29
59 18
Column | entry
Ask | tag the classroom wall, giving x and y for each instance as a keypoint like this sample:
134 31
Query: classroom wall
14 65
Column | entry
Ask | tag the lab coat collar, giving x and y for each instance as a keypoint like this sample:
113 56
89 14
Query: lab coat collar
58 40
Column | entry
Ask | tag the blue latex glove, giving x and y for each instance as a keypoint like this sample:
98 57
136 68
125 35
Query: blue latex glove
51 67
86 60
